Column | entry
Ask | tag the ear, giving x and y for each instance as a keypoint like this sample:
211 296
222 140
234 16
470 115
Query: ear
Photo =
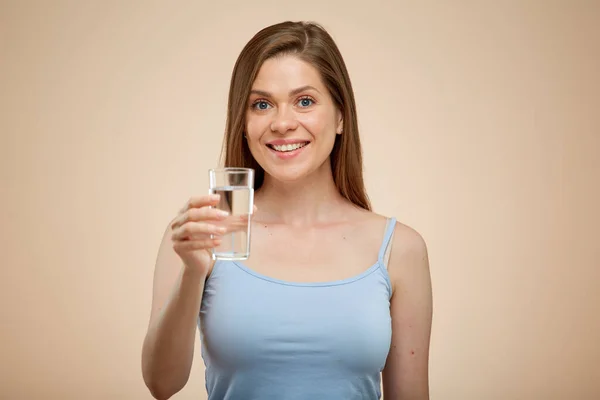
340 125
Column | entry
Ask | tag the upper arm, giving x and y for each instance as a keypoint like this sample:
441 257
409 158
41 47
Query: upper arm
406 373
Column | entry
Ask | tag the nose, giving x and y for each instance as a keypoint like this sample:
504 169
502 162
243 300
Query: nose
284 121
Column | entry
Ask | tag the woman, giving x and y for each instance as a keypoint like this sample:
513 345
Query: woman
333 294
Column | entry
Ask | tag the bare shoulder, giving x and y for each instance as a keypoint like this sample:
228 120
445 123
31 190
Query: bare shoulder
409 258
407 241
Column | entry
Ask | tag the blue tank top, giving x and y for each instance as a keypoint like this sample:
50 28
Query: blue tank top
264 338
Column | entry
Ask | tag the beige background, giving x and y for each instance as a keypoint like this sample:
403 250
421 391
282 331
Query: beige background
481 129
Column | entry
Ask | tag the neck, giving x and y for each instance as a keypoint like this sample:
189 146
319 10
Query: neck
314 199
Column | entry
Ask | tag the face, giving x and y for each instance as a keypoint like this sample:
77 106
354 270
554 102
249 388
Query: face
291 120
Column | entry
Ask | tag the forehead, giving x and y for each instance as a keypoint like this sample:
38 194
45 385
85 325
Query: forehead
284 73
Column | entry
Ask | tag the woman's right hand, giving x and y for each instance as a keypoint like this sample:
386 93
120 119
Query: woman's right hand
192 230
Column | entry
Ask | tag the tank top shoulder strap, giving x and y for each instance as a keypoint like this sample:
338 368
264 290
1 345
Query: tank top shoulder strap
389 232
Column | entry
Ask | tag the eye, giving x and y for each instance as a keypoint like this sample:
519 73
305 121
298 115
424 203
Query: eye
260 105
305 102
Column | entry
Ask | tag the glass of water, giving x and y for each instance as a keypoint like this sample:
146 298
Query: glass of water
236 188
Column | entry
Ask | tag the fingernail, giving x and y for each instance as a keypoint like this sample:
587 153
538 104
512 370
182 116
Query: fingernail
221 229
222 213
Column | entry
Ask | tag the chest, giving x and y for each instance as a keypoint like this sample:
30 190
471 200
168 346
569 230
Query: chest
251 322
312 255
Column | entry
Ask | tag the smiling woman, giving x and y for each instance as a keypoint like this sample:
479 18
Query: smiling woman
292 122
287 70
333 297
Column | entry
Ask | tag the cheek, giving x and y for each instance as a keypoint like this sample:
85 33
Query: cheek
318 123
255 126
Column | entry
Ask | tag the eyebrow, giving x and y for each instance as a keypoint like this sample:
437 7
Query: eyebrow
292 92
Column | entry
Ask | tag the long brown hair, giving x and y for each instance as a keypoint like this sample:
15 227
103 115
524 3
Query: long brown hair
312 44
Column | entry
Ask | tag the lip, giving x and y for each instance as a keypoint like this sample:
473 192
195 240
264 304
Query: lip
287 154
279 142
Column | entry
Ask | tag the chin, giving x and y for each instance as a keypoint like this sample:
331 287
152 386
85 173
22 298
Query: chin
296 173
290 175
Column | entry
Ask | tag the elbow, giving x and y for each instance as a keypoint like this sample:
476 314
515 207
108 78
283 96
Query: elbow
162 376
159 394
160 389
162 385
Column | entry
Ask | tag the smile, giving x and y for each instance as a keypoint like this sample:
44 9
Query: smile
287 151
284 148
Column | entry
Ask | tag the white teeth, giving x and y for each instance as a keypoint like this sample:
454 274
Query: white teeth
288 147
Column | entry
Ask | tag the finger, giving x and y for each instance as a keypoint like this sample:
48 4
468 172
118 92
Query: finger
238 224
241 218
200 201
190 229
188 245
199 214
198 230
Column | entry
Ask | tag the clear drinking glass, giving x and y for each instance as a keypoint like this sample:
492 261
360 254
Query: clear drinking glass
236 188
